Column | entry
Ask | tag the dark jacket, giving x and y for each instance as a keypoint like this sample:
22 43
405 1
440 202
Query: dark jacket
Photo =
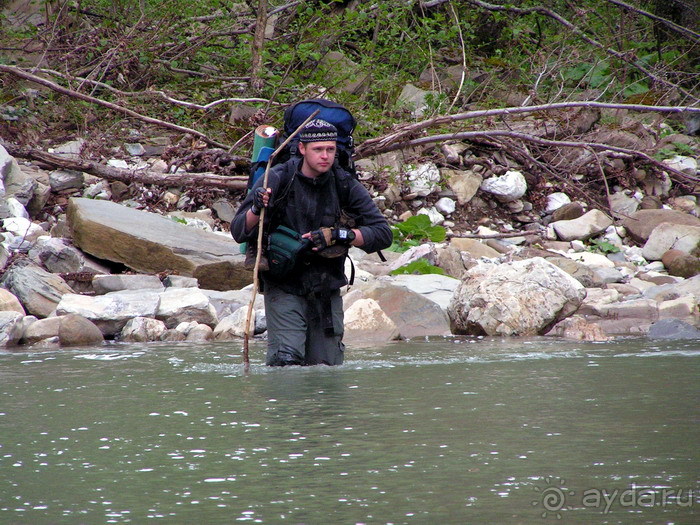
295 204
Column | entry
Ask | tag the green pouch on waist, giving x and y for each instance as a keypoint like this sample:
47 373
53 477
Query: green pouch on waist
284 248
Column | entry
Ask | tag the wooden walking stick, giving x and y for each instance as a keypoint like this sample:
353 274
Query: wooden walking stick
246 335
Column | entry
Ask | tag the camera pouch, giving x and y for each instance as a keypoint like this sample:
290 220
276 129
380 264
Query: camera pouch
285 246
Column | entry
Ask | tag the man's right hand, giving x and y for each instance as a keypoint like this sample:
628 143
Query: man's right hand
261 199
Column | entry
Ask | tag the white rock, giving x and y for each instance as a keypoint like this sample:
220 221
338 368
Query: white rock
110 312
634 254
424 179
591 259
365 321
687 165
134 149
100 190
588 225
185 304
437 288
556 200
60 180
446 206
656 266
435 216
233 325
118 163
15 208
667 236
514 298
23 228
143 329
507 187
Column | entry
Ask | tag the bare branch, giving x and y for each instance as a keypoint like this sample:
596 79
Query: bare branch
161 94
114 107
128 176
692 35
628 59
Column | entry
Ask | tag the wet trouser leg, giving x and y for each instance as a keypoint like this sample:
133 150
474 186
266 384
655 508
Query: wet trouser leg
296 332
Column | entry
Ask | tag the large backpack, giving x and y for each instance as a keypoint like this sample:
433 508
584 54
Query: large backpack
336 114
294 116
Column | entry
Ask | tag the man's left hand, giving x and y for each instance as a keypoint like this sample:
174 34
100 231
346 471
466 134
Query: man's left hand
324 237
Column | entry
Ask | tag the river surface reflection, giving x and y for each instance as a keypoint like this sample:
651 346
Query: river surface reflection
446 431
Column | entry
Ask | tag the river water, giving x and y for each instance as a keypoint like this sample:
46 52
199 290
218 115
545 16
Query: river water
444 431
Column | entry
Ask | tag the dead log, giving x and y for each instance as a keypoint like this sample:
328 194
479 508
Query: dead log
399 138
210 180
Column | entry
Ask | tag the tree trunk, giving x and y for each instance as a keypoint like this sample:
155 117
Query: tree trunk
256 80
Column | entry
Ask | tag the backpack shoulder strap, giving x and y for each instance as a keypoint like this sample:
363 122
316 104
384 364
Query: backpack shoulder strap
287 171
342 185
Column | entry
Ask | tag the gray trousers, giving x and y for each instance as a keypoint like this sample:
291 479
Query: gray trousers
302 330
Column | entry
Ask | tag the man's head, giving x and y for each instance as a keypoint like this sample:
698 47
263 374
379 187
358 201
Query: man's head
317 144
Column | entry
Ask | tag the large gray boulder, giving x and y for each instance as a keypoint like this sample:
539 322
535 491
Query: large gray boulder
110 312
38 290
143 329
11 328
14 181
366 324
640 224
179 305
588 225
150 243
669 236
56 255
517 298
437 288
413 314
76 330
673 329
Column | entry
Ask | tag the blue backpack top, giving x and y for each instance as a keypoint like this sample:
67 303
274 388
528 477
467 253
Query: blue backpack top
332 112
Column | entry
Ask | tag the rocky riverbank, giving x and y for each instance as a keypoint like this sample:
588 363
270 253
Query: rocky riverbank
86 261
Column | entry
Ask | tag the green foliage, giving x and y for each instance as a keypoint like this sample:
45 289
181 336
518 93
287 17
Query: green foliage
418 267
602 246
201 52
675 148
415 231
593 74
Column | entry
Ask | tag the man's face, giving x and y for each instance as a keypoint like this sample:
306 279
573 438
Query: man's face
318 157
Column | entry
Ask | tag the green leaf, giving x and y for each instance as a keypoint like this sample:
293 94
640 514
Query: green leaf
635 89
418 267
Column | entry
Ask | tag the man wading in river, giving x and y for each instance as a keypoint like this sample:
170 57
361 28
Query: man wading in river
316 212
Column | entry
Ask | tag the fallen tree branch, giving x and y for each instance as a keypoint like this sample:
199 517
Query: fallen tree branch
154 93
382 144
114 107
679 175
386 143
125 175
